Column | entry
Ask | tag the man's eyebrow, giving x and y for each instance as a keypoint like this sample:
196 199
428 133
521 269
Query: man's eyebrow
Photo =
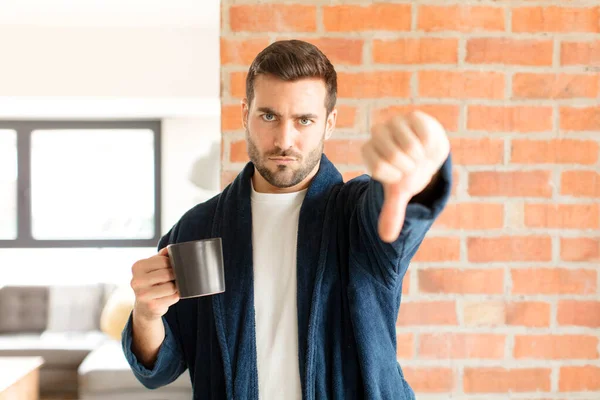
268 110
305 116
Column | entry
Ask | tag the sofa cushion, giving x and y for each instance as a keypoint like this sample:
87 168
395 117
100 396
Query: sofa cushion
106 370
57 349
75 308
23 308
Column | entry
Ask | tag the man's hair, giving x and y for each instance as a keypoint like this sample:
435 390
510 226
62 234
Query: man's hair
291 60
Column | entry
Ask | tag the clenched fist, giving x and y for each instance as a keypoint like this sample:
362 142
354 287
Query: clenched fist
154 286
404 154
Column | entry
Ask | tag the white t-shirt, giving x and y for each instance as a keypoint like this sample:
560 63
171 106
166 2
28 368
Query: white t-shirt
274 238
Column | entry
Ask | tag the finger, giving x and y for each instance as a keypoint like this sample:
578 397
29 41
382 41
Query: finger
406 139
164 251
160 276
169 300
388 149
380 170
422 125
156 263
393 211
158 291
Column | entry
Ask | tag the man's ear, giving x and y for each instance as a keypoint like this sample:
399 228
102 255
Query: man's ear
245 111
331 119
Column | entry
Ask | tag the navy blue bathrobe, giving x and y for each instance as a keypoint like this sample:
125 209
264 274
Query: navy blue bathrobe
349 292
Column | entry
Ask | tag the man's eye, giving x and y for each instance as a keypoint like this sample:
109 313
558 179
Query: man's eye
268 117
305 121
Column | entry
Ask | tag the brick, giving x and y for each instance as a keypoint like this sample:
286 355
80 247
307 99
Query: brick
562 216
344 151
554 86
349 175
448 115
528 313
470 281
494 313
241 51
509 248
580 183
227 177
559 151
520 119
479 151
374 84
231 117
580 249
556 347
427 313
339 50
406 283
580 53
553 281
579 379
501 380
430 379
484 313
528 52
435 249
460 18
510 183
461 85
484 216
416 51
580 118
555 19
273 18
378 16
461 346
346 117
237 84
456 181
238 151
405 345
579 313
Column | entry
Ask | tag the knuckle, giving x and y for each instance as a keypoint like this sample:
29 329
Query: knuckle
134 267
411 147
397 121
416 115
167 275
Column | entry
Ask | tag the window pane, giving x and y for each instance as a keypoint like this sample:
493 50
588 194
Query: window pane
92 184
8 185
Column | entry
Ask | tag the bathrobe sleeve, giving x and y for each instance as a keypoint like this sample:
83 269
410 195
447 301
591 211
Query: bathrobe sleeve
170 363
387 262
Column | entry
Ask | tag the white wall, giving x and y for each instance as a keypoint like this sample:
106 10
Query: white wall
65 59
134 62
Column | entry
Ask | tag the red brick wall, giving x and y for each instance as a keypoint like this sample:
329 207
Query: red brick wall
504 293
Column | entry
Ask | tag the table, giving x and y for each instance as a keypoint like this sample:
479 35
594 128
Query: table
20 377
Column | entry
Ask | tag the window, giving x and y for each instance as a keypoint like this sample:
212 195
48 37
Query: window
79 183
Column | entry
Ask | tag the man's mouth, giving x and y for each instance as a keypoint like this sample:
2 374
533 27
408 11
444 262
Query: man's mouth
282 160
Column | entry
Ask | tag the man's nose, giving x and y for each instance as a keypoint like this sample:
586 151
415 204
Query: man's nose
284 137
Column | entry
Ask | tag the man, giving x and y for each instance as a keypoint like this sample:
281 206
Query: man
313 266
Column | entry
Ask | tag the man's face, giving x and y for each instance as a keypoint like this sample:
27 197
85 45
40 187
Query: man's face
286 125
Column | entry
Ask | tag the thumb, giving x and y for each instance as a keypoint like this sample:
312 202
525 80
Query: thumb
163 252
392 214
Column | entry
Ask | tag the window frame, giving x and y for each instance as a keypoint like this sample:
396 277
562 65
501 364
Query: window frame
24 130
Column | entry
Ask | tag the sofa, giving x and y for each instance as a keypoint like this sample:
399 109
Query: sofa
62 324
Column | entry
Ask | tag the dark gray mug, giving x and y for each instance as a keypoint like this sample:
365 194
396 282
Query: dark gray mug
198 267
